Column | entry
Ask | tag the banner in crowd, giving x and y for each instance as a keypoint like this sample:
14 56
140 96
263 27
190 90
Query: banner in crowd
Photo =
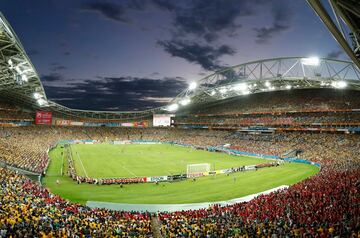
63 122
43 118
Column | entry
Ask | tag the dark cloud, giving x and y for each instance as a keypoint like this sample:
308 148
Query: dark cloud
165 5
57 67
109 10
205 55
67 53
335 54
209 19
122 93
282 21
51 78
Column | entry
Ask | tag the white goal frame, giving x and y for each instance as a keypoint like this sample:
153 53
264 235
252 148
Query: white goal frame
196 170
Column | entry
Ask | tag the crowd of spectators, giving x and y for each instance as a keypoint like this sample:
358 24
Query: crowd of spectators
29 210
284 101
325 205
329 202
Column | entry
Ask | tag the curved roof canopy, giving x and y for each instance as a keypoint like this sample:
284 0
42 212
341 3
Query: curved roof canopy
270 75
20 82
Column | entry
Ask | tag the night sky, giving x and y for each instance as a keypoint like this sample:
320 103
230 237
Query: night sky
134 55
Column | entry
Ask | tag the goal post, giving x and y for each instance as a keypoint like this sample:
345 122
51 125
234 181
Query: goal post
197 170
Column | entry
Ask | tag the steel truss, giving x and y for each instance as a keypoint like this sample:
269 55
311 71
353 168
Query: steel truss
273 75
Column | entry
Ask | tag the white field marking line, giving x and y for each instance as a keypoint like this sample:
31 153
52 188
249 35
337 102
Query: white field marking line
82 164
62 165
123 166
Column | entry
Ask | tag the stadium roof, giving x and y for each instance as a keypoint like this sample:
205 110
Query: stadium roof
272 75
20 82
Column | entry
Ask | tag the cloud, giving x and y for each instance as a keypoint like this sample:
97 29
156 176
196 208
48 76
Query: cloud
57 67
53 77
205 55
124 93
335 54
109 10
282 21
210 19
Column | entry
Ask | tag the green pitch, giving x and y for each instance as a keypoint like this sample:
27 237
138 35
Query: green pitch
152 160
138 160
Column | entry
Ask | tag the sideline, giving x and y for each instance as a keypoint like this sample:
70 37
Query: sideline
176 207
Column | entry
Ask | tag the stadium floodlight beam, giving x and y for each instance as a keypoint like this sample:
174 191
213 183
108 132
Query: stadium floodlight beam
24 78
223 90
339 84
185 101
288 87
172 107
268 84
313 61
37 95
41 102
240 87
192 85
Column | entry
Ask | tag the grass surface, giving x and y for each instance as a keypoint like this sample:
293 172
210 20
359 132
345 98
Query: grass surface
204 189
136 160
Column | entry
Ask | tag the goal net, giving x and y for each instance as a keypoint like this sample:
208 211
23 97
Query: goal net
197 170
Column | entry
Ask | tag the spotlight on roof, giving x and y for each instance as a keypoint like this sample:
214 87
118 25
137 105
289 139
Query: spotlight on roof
240 87
268 84
41 102
37 95
24 78
192 85
288 87
314 61
339 84
172 107
223 90
185 101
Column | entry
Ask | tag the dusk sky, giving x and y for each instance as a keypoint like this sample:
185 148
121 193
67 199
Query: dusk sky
134 55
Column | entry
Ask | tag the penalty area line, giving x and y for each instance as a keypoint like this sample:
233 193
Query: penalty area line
82 165
123 166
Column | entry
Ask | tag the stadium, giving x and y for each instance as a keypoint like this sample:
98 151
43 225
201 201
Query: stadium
268 148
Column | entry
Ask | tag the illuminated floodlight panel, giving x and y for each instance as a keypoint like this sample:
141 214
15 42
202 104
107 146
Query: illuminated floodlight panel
314 61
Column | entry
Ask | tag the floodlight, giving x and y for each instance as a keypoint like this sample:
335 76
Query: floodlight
37 95
314 61
10 62
223 90
185 101
24 78
288 86
213 93
173 107
41 101
241 86
268 84
246 92
192 85
339 84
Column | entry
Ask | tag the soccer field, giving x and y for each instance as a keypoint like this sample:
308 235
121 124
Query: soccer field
137 160
204 189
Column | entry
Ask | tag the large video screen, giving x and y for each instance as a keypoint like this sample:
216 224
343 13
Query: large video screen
162 119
